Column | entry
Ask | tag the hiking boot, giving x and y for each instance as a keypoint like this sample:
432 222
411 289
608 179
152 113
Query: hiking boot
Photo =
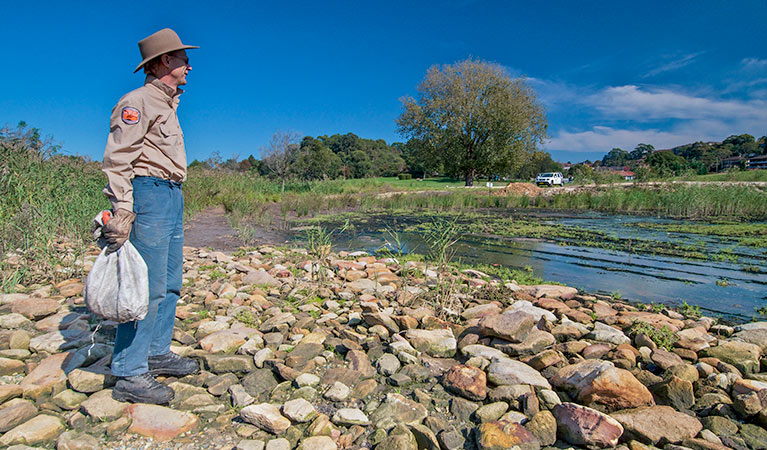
142 389
172 365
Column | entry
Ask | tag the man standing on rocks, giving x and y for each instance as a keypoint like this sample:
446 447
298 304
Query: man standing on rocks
145 164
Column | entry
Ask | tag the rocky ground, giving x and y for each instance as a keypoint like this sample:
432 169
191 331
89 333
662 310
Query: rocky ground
351 351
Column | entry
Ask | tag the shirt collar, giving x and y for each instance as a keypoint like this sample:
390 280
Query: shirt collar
164 88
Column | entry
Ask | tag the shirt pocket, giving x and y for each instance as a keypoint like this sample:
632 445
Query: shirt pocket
170 135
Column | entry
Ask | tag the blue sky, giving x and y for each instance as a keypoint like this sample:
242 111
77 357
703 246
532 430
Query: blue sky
610 74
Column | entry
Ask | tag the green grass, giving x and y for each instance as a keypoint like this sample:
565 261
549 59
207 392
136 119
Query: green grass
733 175
47 203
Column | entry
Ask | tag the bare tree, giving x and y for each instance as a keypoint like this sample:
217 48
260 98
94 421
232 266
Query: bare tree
279 155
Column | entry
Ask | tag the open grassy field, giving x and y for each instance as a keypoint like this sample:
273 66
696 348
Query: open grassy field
733 175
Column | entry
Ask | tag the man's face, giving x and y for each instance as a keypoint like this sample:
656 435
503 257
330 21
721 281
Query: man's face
179 66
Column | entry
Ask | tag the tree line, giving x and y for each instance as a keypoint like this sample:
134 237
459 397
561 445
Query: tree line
698 157
469 120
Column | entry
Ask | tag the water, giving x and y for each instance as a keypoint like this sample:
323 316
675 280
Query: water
633 276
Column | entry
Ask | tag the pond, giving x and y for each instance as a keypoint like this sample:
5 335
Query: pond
632 257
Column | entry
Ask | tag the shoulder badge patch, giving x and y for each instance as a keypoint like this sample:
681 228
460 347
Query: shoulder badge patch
131 115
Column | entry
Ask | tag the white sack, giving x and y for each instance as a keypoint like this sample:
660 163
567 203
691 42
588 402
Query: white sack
117 288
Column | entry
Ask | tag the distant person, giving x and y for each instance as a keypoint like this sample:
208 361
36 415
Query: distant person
145 164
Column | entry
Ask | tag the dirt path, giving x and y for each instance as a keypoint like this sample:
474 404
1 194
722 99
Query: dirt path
211 229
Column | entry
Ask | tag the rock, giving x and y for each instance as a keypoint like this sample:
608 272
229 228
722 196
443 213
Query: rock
756 336
743 355
554 291
47 375
9 391
543 425
396 408
675 392
476 312
265 416
307 379
259 383
224 341
11 366
58 341
502 435
219 363
606 333
601 383
350 416
73 440
400 438
299 410
250 444
424 437
755 436
159 422
317 443
260 278
509 371
451 439
483 351
535 342
467 381
513 327
69 399
491 411
388 364
720 426
273 323
188 397
580 425
338 392
101 406
35 308
665 360
279 444
527 307
240 397
16 412
358 361
14 321
438 343
657 425
92 379
42 428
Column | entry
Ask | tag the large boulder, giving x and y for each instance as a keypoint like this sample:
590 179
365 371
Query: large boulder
508 371
580 425
600 383
439 343
502 434
510 326
467 381
657 425
743 355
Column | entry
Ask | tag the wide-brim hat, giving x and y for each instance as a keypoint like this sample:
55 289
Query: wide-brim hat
159 43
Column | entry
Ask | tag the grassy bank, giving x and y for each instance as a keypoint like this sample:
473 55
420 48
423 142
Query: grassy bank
47 202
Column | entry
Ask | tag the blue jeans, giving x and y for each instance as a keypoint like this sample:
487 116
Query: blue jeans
158 235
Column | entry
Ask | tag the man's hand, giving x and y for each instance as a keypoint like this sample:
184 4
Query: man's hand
117 229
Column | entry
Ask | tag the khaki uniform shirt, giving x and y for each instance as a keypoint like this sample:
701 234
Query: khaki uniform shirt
145 139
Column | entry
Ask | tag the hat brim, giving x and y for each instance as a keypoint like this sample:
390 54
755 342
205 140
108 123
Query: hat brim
151 57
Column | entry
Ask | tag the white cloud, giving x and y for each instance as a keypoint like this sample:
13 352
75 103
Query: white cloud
601 138
754 63
635 103
673 65
676 118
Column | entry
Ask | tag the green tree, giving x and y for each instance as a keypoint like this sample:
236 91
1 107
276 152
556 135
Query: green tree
280 155
667 163
315 161
475 117
641 151
615 157
539 162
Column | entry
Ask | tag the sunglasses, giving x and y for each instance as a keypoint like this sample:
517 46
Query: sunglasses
185 59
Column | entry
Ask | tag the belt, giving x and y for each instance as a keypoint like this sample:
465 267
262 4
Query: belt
158 181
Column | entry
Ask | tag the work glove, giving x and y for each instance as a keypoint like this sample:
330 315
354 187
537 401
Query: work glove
117 229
